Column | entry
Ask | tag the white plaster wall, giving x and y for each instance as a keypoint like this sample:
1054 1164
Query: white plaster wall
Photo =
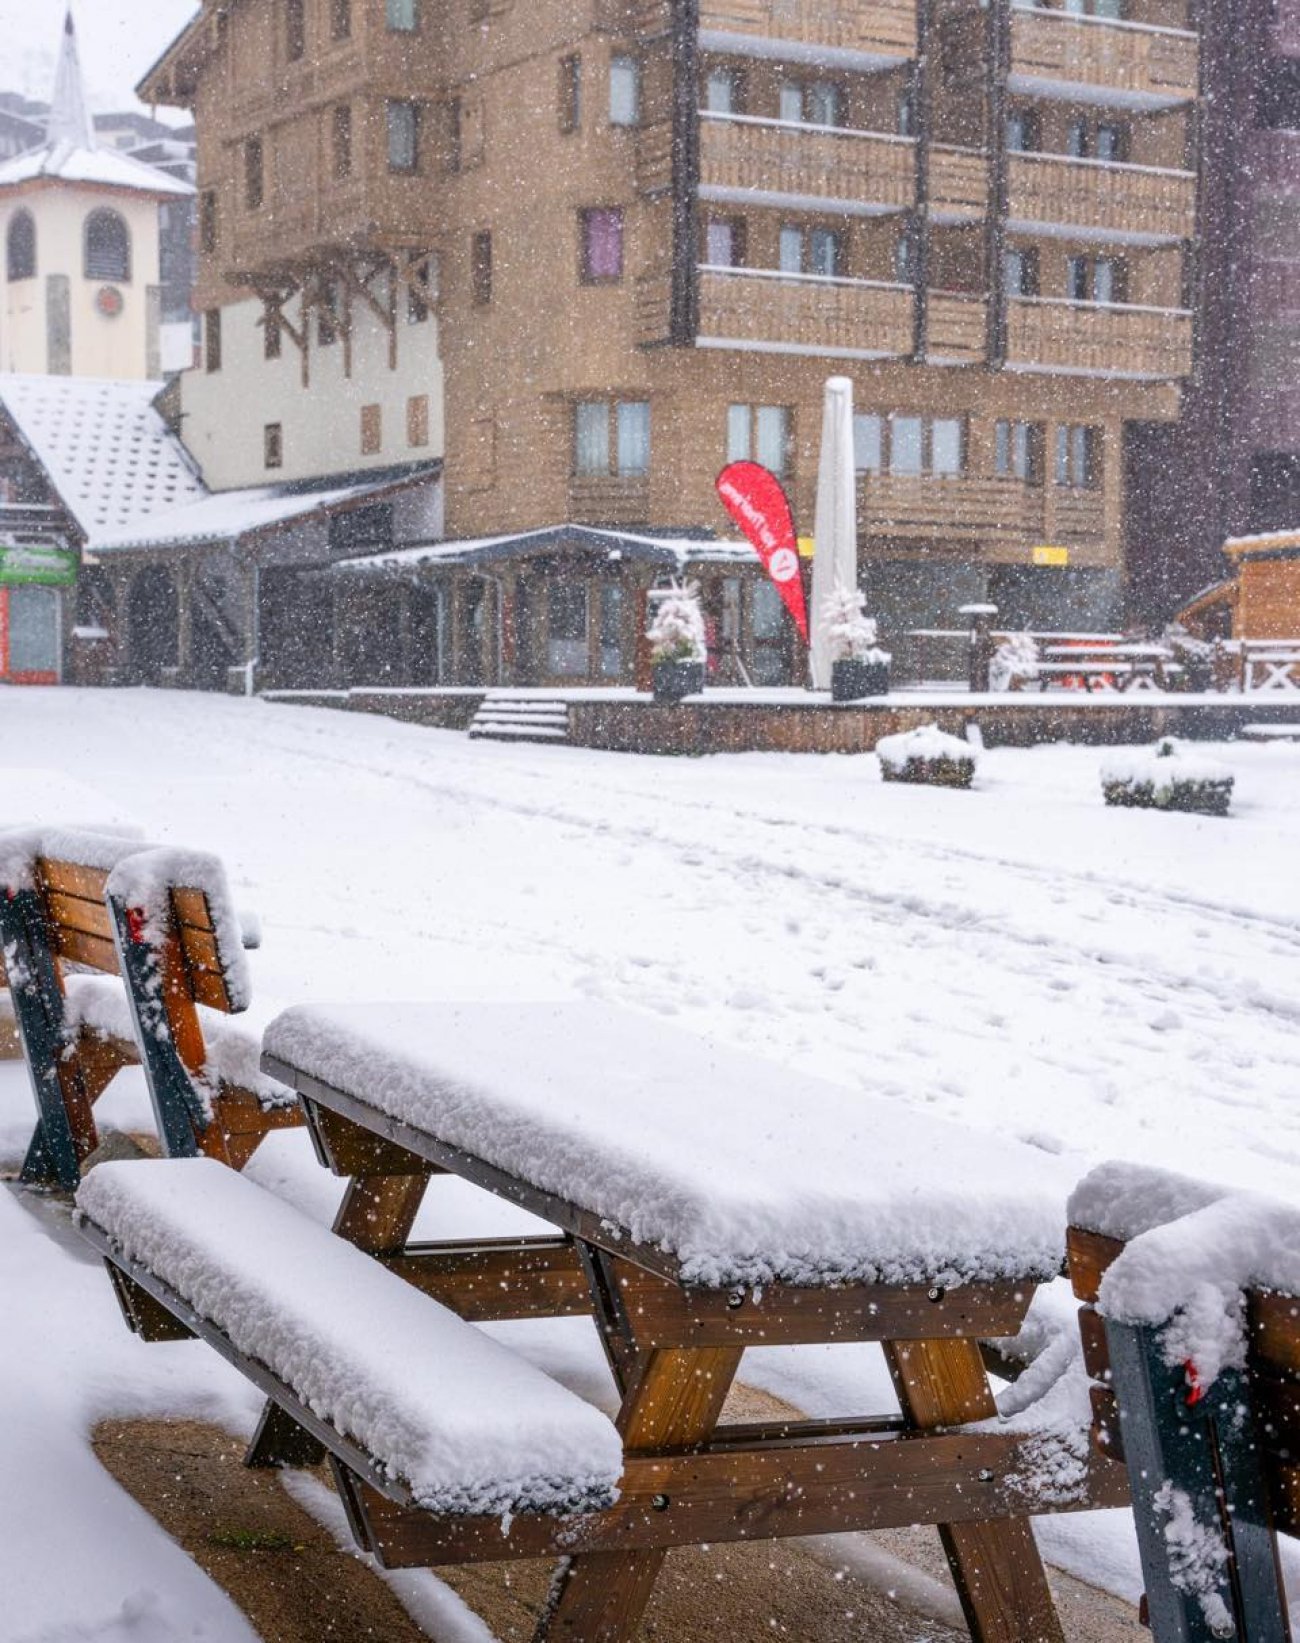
226 411
101 346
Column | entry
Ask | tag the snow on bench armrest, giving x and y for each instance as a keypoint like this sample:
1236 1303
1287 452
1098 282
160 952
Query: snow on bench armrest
21 848
743 1170
100 1005
1192 1250
145 881
465 1424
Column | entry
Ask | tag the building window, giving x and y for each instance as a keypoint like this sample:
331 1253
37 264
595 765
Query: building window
107 247
372 429
295 29
340 19
1097 140
1078 457
1023 132
327 314
1018 451
254 180
419 293
1020 271
722 92
208 221
20 247
272 336
454 114
602 244
905 258
569 94
761 433
724 242
273 445
910 446
212 340
811 251
417 421
868 443
402 16
905 113
627 423
907 445
1096 279
341 140
403 136
816 102
624 91
480 268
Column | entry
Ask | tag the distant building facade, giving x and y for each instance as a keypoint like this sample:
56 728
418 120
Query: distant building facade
1231 466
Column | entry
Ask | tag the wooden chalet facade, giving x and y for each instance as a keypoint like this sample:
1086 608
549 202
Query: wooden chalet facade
650 229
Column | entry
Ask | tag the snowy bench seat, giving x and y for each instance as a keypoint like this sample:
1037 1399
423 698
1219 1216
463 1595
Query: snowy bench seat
736 1170
447 1417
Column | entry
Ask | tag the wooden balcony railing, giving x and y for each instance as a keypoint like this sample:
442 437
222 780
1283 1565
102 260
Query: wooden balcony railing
1062 54
959 183
881 30
600 499
1099 339
1133 203
956 328
1080 517
955 509
299 226
859 319
741 155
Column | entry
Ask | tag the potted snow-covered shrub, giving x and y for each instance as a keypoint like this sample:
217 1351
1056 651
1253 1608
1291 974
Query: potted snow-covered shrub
1015 662
858 667
678 648
1166 777
928 756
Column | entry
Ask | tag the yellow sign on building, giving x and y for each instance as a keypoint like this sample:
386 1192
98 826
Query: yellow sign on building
1059 557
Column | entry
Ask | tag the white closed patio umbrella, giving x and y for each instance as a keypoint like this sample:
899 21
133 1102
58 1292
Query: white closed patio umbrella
835 529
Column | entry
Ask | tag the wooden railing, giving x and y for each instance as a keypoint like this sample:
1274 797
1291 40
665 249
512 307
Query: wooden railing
1157 65
959 183
741 154
654 158
300 221
956 327
876 28
854 318
599 499
1099 339
1125 201
951 509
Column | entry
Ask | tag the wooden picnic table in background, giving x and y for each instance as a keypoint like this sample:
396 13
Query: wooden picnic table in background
679 1179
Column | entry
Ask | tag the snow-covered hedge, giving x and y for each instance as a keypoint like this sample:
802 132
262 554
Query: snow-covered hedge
1167 777
850 633
928 756
1015 662
677 632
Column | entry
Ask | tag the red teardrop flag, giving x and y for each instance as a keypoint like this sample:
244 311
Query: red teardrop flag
756 500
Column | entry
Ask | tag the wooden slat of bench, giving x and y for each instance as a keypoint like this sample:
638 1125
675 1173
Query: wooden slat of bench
71 879
191 908
209 989
1274 1331
498 1279
77 913
200 948
79 948
1089 1254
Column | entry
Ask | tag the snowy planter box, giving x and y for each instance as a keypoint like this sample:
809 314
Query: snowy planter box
1167 778
928 757
674 681
852 680
859 667
678 647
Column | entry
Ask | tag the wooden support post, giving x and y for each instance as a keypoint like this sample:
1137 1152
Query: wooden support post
1197 1460
995 1565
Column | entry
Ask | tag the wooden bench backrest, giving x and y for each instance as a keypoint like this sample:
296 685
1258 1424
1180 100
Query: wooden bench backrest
207 973
79 928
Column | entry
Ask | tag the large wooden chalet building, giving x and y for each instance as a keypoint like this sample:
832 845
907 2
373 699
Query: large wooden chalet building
586 251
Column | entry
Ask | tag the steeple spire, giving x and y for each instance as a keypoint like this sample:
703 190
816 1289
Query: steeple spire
70 120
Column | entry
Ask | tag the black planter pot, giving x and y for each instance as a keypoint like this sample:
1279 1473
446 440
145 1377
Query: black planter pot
674 680
851 681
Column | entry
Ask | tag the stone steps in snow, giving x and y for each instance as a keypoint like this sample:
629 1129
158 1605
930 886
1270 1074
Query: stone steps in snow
516 719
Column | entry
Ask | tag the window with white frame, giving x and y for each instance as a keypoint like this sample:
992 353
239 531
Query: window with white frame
624 91
1078 457
761 433
611 438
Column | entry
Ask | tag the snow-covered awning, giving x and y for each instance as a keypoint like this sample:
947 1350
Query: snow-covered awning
1263 546
672 551
227 518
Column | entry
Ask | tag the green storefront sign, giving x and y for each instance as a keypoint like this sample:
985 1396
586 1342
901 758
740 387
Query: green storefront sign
27 564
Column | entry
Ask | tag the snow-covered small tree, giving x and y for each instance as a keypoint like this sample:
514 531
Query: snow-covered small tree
851 634
677 632
1015 661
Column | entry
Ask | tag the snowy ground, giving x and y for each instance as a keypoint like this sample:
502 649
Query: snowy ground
1100 983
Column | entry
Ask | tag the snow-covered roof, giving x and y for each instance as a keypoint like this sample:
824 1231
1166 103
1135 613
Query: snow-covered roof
102 167
227 516
1265 542
105 449
676 551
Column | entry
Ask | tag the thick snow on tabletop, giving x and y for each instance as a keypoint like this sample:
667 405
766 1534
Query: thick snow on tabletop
146 879
467 1425
744 1171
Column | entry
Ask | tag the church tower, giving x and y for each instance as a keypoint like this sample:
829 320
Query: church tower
79 247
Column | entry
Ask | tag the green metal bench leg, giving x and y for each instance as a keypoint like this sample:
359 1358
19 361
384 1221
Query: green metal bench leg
177 1107
1209 1556
52 1158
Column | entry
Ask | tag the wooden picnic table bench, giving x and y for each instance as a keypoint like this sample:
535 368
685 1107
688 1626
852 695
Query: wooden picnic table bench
703 1201
1190 1326
110 949
1120 667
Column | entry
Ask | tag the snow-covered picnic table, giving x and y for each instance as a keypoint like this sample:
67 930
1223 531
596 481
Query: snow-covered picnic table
706 1200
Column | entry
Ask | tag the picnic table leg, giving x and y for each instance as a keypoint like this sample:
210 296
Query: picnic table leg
673 1400
377 1214
995 1565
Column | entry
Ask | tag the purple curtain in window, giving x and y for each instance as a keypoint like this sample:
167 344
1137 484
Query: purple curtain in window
604 229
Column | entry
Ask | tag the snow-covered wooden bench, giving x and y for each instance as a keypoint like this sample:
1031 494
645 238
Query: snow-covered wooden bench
1191 1335
705 1201
103 967
427 1410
